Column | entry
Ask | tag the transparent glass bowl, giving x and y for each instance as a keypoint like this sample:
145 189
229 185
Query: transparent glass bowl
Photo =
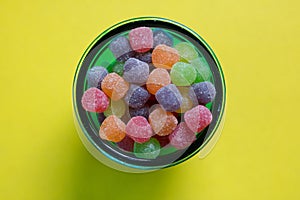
88 127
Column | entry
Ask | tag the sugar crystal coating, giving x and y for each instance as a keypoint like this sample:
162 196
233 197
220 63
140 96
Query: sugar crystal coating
126 144
135 71
140 140
188 99
116 108
186 51
183 74
147 150
161 37
204 91
136 96
141 39
143 111
112 129
138 127
145 57
157 79
149 71
162 122
182 137
169 98
94 100
164 56
121 48
198 118
202 70
114 86
95 76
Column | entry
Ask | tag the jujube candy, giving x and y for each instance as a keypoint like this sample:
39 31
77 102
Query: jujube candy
141 39
112 129
136 96
204 91
183 74
161 37
121 48
203 72
114 86
198 118
135 71
157 79
143 111
95 76
147 150
94 100
186 51
188 99
182 137
126 144
164 56
116 108
169 98
138 127
162 122
163 140
145 57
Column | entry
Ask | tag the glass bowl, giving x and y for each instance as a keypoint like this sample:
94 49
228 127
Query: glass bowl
87 123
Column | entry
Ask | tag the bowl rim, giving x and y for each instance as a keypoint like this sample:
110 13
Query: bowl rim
209 51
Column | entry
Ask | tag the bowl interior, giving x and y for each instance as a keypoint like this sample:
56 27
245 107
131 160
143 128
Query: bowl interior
98 54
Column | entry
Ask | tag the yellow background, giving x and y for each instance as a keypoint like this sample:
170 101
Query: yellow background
257 156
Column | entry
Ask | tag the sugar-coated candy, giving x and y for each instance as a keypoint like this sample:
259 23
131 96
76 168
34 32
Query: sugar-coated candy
164 56
186 51
169 97
114 86
112 129
121 48
198 118
126 117
138 127
101 117
163 140
182 137
136 96
126 144
145 57
95 76
143 111
147 150
161 37
116 108
141 39
135 71
202 70
140 140
204 91
188 100
157 79
149 91
118 68
183 74
94 100
162 122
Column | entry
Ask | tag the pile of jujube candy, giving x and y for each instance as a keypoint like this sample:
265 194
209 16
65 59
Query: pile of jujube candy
154 95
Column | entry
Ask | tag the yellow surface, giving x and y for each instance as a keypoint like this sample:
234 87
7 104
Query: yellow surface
257 156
